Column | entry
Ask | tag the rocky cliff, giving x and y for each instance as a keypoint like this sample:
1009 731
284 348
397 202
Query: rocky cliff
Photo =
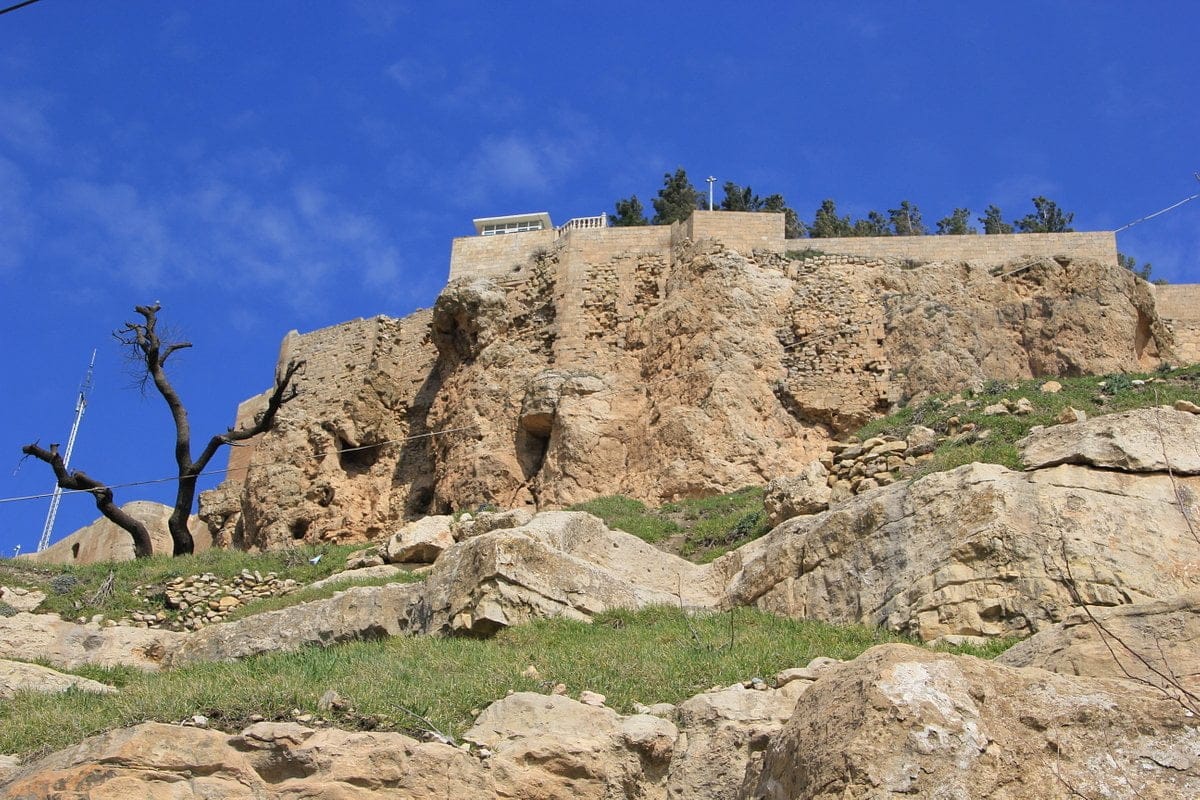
655 377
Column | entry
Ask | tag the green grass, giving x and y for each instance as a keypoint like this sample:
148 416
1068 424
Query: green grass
708 526
1094 395
646 656
631 516
72 591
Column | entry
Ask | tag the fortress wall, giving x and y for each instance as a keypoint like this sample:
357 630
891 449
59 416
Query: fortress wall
991 249
1179 307
495 256
744 231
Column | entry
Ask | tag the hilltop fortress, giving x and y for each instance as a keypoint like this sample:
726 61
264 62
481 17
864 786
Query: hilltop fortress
669 361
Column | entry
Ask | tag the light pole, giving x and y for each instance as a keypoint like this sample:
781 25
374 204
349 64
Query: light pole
711 181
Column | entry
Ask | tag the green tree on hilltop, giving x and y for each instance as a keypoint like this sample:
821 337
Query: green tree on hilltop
677 199
1130 263
993 222
793 228
630 213
1047 217
875 224
906 220
827 224
740 198
955 224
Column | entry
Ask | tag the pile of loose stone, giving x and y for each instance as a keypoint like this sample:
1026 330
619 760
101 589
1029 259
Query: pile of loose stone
855 466
198 600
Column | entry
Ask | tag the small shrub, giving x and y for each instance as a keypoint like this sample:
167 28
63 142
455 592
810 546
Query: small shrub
63 584
6 610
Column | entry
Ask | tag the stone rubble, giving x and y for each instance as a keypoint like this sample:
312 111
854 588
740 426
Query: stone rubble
195 601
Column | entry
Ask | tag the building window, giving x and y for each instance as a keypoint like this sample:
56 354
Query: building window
513 227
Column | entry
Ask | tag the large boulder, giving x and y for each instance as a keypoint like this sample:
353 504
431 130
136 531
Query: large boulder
420 541
18 676
1155 643
807 492
901 720
68 645
559 564
977 551
1143 440
549 746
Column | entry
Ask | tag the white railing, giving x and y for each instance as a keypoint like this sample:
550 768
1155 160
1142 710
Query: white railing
583 223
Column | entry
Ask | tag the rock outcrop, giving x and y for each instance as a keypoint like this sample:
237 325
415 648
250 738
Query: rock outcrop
18 676
711 370
978 551
903 721
68 645
103 540
1156 643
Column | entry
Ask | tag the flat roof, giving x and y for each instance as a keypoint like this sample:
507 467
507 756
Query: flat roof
540 216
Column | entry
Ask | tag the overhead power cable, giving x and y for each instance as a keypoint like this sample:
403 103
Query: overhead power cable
18 5
1156 213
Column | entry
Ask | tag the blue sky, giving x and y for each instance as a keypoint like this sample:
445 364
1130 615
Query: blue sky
265 166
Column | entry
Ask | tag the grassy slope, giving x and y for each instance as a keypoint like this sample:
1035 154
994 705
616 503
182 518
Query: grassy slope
648 656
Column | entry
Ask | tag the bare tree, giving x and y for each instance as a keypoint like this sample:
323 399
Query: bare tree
150 353
81 482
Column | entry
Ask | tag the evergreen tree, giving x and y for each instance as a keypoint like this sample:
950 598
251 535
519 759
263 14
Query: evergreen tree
793 228
956 224
827 224
906 220
874 225
677 199
1047 217
630 212
993 222
738 198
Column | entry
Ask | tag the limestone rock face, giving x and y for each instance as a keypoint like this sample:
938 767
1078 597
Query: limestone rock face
105 541
903 721
1143 440
348 458
21 599
68 645
708 371
16 676
1165 635
805 493
553 746
420 541
980 550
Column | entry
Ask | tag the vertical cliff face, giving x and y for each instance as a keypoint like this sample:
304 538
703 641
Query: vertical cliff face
651 374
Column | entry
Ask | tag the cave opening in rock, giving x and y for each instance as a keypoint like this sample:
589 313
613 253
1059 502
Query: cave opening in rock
299 528
531 451
357 459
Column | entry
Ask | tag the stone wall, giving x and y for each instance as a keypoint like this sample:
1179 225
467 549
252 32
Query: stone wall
1179 307
743 231
499 257
988 250
495 256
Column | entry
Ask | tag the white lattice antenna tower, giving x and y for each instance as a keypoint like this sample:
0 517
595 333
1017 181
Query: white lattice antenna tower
56 497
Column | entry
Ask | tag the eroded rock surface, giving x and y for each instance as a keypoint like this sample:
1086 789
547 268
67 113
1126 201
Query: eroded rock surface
1143 440
68 645
18 676
1157 643
709 371
978 551
900 720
